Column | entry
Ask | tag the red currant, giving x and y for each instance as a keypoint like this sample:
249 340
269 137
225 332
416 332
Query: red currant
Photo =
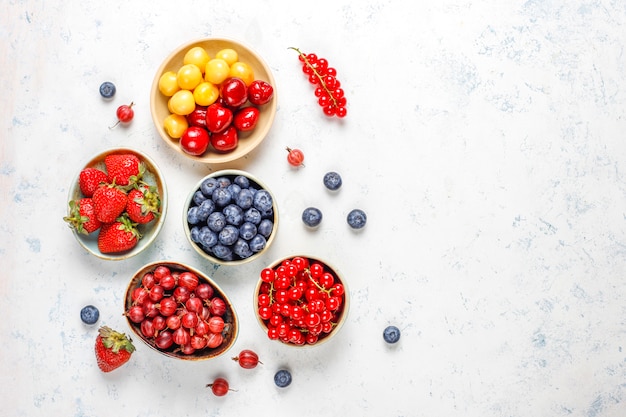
295 157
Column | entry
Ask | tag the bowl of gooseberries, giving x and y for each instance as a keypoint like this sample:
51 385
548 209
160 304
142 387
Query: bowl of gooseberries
180 312
301 301
230 217
213 100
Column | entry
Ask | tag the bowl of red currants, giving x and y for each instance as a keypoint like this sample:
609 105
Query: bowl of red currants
301 301
117 204
230 217
180 312
213 100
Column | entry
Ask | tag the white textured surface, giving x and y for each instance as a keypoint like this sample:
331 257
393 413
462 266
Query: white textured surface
485 140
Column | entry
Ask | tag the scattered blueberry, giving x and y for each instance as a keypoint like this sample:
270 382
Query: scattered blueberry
391 334
312 216
357 218
107 89
89 314
332 181
265 227
282 378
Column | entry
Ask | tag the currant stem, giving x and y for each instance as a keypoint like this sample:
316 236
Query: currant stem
317 74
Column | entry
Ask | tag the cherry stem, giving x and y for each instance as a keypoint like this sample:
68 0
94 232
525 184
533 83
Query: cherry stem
317 74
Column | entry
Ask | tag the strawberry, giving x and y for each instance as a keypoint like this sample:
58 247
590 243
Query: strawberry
90 179
143 204
123 169
109 202
83 216
113 349
119 236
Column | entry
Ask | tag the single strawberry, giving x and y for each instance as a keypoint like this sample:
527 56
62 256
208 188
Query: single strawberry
113 349
123 169
82 216
90 179
143 204
109 202
119 236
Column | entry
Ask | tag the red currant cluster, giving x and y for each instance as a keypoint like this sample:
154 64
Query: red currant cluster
177 312
300 301
330 95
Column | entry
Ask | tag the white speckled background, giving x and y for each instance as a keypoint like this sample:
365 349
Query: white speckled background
485 140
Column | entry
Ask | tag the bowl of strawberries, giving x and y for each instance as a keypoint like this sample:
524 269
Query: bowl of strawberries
117 204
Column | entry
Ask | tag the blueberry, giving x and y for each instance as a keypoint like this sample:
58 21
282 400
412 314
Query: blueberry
241 248
233 214
357 218
245 198
242 181
192 215
89 314
252 215
257 243
222 252
207 238
332 180
263 202
107 89
205 209
229 235
282 378
265 227
216 221
234 190
391 334
221 197
223 182
247 231
194 234
208 186
198 198
312 216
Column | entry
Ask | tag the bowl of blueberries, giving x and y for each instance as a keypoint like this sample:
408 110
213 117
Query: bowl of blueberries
230 217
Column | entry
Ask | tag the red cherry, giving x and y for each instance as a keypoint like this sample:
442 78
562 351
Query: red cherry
234 91
195 140
226 140
197 117
218 118
260 92
246 118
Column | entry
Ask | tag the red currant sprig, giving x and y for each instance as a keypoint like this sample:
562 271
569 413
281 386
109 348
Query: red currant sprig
330 95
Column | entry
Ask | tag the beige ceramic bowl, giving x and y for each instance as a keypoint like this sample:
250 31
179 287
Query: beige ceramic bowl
230 175
231 326
337 321
153 176
248 140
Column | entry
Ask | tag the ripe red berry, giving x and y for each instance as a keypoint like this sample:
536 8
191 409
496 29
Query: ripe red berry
125 114
295 157
247 359
219 387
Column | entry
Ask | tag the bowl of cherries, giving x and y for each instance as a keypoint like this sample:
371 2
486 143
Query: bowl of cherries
180 312
301 301
213 100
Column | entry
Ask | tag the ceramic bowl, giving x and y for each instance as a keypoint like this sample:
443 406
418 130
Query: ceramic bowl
150 276
153 176
248 141
205 235
306 278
